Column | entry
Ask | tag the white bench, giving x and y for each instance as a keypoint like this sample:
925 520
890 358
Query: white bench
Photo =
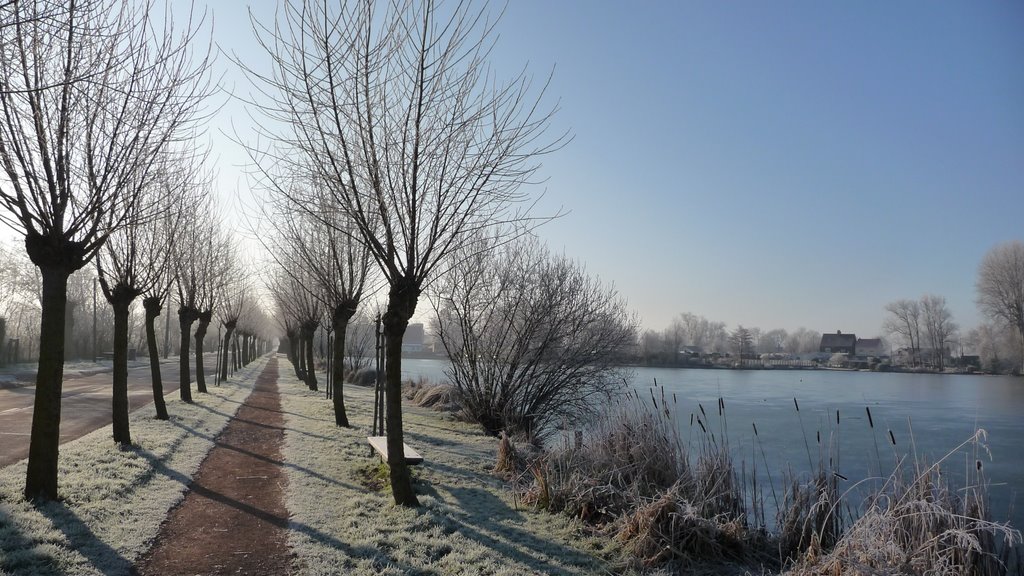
380 444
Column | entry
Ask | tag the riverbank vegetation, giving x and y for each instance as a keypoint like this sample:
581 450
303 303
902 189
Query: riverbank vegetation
675 496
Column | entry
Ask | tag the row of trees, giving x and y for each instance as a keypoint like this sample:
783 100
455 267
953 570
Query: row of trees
101 103
925 326
404 142
926 330
667 347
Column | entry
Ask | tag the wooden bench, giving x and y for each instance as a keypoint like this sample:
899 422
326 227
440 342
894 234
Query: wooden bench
380 444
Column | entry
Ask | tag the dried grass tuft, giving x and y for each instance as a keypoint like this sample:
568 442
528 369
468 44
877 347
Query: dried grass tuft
440 397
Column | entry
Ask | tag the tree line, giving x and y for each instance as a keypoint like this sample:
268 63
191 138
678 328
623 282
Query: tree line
102 101
926 330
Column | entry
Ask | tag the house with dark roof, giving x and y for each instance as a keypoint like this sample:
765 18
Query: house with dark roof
838 343
871 347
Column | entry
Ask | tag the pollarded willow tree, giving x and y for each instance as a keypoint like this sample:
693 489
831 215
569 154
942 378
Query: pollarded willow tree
1000 287
198 263
336 267
418 144
237 298
133 261
300 308
533 339
89 97
186 186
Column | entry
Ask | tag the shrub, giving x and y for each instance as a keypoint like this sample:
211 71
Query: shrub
533 339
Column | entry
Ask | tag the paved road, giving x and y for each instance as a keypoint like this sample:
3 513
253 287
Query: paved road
85 405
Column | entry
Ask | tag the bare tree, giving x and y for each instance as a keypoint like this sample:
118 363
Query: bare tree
938 325
905 321
88 99
217 259
195 253
773 340
131 263
299 313
337 265
533 340
237 296
802 341
742 341
1000 287
419 145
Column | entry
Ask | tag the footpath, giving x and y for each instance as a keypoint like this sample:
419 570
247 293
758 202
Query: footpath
233 519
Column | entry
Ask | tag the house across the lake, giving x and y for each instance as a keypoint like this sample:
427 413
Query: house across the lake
871 347
838 343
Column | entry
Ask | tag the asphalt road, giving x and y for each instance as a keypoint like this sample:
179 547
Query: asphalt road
86 404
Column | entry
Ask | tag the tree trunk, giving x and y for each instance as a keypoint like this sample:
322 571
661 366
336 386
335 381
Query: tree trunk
401 306
185 319
229 326
310 365
339 323
122 430
153 306
297 357
204 322
41 478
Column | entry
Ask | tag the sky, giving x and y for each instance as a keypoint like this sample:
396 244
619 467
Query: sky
774 165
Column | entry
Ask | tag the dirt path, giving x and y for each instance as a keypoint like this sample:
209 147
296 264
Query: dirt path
233 519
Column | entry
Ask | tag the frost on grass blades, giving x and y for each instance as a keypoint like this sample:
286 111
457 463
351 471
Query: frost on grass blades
113 499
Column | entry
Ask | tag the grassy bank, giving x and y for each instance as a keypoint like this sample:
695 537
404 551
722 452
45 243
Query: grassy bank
114 500
343 519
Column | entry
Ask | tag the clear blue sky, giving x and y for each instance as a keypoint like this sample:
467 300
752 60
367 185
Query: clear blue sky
776 164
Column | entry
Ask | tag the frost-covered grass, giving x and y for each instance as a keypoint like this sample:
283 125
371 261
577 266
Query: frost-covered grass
467 524
113 500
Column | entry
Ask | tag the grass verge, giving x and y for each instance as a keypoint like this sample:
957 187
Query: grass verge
468 523
114 500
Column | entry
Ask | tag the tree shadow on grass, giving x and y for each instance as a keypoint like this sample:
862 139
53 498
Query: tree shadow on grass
218 444
20 554
80 538
376 556
490 522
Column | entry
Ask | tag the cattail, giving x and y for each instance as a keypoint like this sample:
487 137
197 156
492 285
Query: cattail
838 475
891 437
721 405
819 436
837 417
754 424
701 406
796 404
703 429
691 419
870 421
977 464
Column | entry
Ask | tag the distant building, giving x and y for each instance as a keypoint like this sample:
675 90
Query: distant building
871 347
838 343
413 340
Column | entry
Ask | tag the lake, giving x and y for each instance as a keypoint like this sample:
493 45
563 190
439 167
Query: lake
929 415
